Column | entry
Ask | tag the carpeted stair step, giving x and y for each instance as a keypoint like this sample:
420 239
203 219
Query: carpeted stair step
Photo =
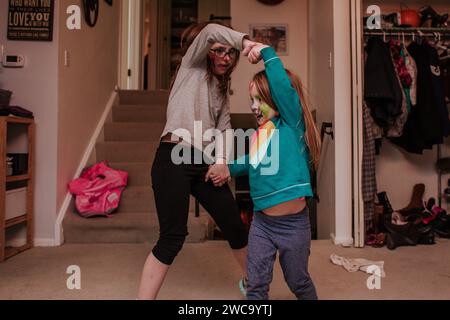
126 151
131 131
144 97
139 113
127 227
141 199
137 199
139 173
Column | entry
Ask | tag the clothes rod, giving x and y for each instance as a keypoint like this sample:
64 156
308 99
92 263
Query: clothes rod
410 32
407 34
398 29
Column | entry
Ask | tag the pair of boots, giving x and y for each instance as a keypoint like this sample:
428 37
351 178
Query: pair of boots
410 233
441 225
385 215
415 205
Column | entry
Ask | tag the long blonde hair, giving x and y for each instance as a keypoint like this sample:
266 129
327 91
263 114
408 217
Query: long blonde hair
188 36
312 136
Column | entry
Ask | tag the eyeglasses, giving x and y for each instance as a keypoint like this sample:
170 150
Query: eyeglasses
221 52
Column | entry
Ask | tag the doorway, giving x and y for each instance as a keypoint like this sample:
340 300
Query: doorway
149 44
151 34
330 90
130 62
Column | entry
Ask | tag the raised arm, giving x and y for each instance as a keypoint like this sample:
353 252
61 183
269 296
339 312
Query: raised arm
212 33
283 93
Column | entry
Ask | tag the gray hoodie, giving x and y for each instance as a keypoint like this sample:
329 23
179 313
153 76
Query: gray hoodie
194 98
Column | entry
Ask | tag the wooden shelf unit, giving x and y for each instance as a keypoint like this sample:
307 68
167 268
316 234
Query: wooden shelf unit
28 218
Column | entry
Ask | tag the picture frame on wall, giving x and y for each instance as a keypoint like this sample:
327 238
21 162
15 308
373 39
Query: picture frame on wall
275 35
31 20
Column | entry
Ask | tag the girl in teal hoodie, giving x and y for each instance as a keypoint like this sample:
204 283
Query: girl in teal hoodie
282 152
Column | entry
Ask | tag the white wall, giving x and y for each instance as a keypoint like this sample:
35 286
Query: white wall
85 86
291 12
321 92
330 92
343 120
35 88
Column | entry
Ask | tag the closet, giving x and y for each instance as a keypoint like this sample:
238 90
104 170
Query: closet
413 118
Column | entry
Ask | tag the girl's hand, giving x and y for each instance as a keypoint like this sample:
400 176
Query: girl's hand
247 44
255 53
219 174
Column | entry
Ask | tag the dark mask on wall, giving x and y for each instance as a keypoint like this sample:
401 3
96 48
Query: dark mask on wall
91 8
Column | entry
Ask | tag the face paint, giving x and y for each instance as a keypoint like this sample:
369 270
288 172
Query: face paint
265 110
262 111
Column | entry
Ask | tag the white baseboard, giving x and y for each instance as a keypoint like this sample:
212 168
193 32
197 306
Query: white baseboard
45 243
342 241
59 234
38 242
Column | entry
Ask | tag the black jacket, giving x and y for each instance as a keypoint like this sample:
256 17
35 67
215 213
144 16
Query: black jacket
382 91
428 121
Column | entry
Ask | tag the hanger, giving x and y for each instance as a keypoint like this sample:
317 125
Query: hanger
447 51
445 57
438 43
421 37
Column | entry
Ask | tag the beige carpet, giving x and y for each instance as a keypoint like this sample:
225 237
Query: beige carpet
207 271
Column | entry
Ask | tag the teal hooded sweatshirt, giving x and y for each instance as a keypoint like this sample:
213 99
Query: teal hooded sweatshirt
278 162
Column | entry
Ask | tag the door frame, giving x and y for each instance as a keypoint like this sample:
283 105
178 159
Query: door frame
357 122
338 61
342 122
153 50
131 60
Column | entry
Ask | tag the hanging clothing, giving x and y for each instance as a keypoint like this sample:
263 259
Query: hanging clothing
424 127
382 91
400 65
404 81
412 70
438 88
445 72
369 180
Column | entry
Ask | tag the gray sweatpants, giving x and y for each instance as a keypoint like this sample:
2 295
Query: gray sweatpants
291 237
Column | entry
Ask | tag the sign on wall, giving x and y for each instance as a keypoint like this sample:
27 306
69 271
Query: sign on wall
30 20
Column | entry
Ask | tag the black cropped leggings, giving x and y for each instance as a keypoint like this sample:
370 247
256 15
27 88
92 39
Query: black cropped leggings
172 186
